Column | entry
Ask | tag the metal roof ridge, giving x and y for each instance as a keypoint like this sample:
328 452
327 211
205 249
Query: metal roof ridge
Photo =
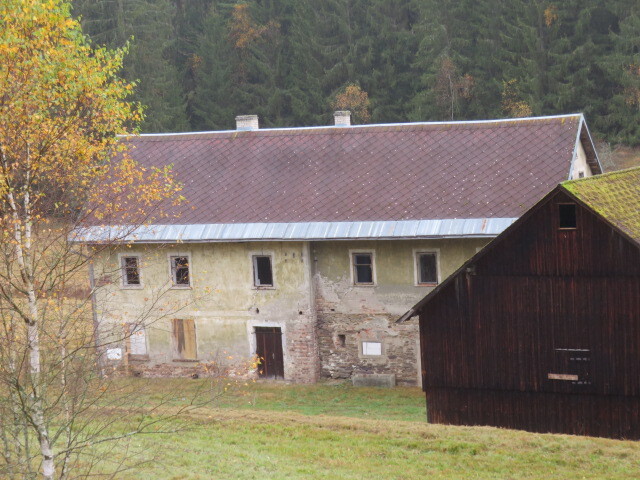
346 128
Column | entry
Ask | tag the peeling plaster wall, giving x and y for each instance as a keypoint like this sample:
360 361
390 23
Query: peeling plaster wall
368 313
580 164
222 300
226 307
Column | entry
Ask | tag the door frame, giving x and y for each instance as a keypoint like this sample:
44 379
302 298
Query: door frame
251 334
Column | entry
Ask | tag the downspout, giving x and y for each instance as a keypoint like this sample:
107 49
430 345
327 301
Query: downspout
310 254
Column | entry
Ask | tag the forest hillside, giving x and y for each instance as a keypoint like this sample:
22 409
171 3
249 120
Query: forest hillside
198 63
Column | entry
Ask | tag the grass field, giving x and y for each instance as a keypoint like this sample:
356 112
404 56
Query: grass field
335 431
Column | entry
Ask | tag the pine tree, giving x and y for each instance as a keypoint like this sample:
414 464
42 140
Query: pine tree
147 26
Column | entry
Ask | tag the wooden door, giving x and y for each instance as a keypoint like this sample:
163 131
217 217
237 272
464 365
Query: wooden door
269 350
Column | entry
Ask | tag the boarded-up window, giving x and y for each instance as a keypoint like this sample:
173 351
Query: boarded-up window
184 339
427 265
136 340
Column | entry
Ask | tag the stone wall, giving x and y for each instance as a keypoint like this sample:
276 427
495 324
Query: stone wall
400 346
350 314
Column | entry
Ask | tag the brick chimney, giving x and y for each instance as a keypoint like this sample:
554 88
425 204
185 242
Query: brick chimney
247 122
342 118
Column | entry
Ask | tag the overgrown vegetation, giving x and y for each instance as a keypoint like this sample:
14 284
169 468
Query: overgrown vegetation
61 167
200 63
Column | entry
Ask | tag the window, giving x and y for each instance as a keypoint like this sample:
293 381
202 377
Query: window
427 268
372 348
363 269
581 174
136 340
262 272
130 271
567 215
180 275
184 339
342 340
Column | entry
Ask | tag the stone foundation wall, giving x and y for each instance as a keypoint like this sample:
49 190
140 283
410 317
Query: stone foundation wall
400 346
167 370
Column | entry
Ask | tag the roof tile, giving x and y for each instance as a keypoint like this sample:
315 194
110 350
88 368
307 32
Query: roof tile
384 172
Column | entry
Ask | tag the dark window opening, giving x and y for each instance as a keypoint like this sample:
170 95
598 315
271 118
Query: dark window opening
262 271
567 215
180 270
427 268
363 268
131 270
342 340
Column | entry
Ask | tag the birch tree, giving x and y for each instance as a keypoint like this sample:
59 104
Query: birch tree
61 107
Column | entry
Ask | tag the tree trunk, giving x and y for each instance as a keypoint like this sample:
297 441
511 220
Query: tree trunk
23 259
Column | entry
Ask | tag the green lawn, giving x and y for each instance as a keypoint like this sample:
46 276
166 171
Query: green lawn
335 431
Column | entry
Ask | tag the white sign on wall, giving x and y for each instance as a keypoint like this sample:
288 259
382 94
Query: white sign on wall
371 348
114 353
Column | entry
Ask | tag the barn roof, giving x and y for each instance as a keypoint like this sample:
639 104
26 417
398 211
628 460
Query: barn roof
298 179
615 196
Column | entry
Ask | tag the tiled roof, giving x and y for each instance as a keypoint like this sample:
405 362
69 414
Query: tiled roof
615 196
415 171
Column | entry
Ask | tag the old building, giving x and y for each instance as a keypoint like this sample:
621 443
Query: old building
541 329
303 245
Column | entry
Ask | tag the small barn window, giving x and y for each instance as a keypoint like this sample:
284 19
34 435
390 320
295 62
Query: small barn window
262 271
567 215
363 268
184 339
427 268
180 276
372 348
130 271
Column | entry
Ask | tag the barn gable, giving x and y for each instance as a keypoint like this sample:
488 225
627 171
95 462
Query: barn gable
545 317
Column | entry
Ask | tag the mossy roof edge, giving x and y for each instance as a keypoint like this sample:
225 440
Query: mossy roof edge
615 196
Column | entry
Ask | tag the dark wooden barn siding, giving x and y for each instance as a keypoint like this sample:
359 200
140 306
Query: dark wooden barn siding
541 301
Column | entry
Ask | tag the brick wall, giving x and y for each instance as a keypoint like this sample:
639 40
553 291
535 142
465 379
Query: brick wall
302 345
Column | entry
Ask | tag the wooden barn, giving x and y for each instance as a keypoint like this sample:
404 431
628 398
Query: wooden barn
540 330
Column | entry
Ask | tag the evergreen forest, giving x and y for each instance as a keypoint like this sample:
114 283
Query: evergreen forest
199 63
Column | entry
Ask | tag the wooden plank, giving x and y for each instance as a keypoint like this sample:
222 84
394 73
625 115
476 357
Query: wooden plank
184 339
190 348
178 337
562 376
